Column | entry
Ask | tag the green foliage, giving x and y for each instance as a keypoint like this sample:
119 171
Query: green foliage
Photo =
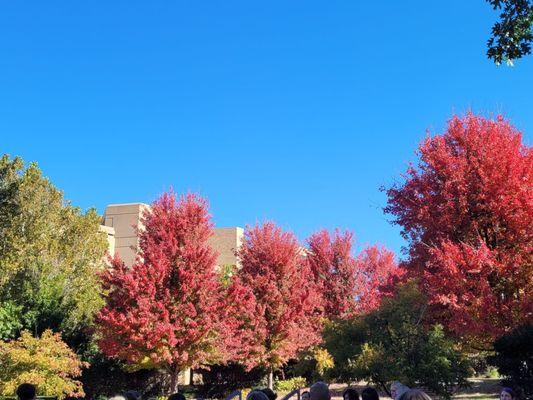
49 254
395 342
324 361
514 358
47 362
10 320
314 364
511 35
225 274
290 384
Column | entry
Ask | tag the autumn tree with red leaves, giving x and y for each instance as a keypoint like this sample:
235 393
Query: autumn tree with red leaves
378 273
165 310
349 284
466 210
285 301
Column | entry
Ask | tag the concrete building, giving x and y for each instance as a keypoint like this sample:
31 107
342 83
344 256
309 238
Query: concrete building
122 223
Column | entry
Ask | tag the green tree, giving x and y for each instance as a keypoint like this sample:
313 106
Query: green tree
511 35
513 356
396 342
46 361
50 253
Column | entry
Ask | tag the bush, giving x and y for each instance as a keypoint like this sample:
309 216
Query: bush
312 364
514 359
289 385
395 342
47 362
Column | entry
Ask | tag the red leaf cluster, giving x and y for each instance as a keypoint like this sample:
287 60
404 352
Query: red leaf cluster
348 285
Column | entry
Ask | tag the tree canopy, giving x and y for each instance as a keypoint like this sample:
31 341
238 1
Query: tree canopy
50 254
466 213
511 36
165 310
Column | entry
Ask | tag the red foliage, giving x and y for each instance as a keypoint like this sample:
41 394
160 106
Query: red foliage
349 285
378 273
285 306
164 310
467 211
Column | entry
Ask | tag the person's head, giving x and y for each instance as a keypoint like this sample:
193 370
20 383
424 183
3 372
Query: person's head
507 394
415 394
26 391
270 393
305 395
397 389
350 394
176 396
319 391
256 395
369 393
132 395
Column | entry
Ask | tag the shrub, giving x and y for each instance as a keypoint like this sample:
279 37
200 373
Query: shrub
47 362
313 364
395 342
290 384
514 358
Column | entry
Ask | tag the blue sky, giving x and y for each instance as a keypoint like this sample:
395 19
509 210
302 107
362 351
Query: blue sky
292 111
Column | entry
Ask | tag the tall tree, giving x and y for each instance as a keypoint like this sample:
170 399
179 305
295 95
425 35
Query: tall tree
335 272
50 255
164 310
466 211
286 303
511 35
349 284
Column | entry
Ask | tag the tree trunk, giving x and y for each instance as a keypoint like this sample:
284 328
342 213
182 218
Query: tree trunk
174 379
271 379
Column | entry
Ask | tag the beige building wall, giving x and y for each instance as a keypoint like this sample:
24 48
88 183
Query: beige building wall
123 221
226 241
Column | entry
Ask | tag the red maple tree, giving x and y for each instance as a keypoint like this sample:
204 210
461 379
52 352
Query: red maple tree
165 310
349 284
285 302
467 213
378 273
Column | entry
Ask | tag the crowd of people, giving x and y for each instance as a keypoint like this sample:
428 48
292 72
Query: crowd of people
317 391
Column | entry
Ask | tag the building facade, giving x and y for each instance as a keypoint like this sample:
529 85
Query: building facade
122 222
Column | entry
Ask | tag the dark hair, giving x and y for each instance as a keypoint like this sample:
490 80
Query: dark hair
256 395
415 394
26 391
270 393
132 395
510 391
176 396
352 393
369 393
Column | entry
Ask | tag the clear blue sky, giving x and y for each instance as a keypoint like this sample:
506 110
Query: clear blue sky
294 111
